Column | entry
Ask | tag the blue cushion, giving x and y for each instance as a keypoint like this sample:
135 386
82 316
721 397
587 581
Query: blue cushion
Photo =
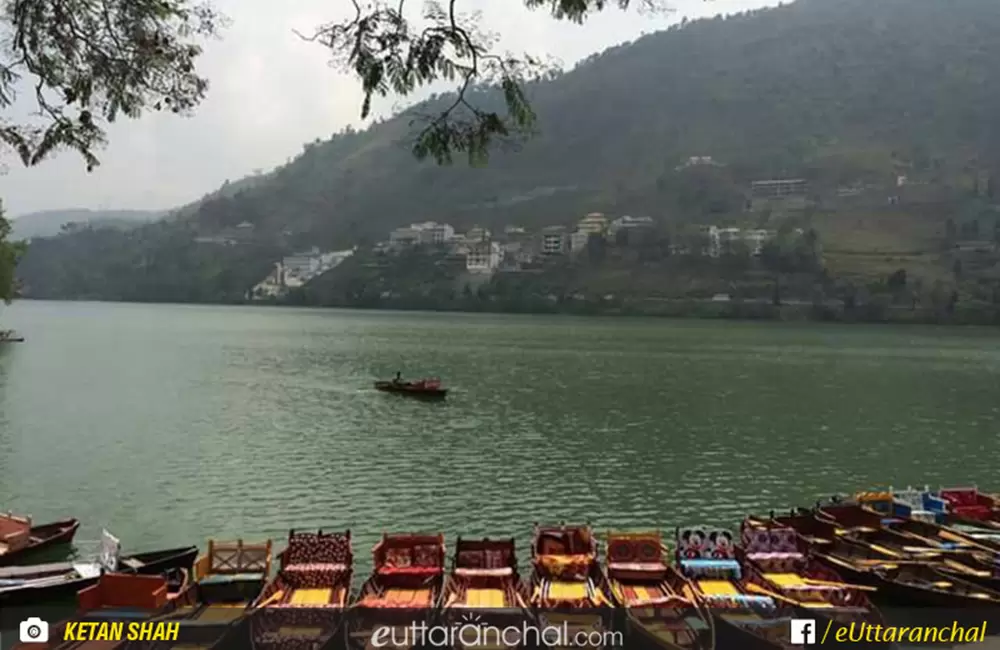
712 568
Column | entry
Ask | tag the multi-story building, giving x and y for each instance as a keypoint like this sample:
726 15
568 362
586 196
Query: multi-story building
302 265
484 257
431 232
401 237
554 240
721 240
632 228
787 193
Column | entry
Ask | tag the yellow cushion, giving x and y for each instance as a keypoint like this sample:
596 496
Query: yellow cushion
718 588
567 590
785 579
310 597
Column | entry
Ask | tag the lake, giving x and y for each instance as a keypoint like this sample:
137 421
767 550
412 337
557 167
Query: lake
171 424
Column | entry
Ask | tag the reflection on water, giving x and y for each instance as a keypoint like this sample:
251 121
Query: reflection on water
172 424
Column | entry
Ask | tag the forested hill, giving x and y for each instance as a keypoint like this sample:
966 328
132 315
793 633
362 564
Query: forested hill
840 91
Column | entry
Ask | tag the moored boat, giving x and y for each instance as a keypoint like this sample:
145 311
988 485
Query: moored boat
46 583
116 597
427 388
744 617
568 588
774 557
404 589
970 505
19 539
900 582
484 586
642 581
303 606
227 579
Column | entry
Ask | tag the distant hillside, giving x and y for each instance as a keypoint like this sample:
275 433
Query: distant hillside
49 223
841 92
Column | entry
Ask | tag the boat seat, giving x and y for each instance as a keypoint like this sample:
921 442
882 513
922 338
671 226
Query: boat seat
227 578
700 568
132 563
488 573
87 570
639 567
774 555
310 597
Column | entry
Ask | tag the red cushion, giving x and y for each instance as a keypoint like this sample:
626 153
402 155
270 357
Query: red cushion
973 511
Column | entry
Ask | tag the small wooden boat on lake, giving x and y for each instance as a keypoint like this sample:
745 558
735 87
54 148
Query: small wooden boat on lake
116 597
744 617
403 590
10 336
899 582
484 586
45 583
658 613
303 606
19 539
227 579
776 559
568 588
426 388
968 505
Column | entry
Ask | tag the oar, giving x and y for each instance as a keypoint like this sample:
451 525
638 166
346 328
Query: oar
841 585
275 597
958 566
767 592
968 541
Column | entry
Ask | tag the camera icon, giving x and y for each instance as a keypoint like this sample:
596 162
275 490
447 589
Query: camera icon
34 630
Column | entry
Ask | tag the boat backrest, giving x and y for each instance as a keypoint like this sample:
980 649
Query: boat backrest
485 554
15 531
110 552
409 550
960 496
778 539
318 548
720 545
692 543
644 547
231 558
564 540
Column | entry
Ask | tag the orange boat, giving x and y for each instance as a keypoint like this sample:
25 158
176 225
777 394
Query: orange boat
115 597
484 586
568 589
303 606
404 588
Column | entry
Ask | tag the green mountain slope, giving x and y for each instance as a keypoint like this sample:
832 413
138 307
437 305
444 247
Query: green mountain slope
839 91
49 223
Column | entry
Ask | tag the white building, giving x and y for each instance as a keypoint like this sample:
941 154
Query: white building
478 234
484 257
401 237
630 225
431 232
302 264
578 241
554 240
272 286
720 240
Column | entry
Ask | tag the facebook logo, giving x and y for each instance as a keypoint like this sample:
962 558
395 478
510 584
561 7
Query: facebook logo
803 631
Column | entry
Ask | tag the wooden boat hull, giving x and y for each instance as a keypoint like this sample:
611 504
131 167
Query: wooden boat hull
149 563
42 537
411 391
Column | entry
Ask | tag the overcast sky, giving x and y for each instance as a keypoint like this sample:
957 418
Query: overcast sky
271 91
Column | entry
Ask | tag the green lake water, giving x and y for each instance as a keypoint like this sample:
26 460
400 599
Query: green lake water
172 424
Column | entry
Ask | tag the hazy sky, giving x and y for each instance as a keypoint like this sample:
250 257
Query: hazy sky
271 91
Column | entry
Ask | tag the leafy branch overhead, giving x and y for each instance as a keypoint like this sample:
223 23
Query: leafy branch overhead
391 53
83 63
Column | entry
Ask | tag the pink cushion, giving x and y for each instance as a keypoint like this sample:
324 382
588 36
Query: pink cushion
410 570
650 567
316 566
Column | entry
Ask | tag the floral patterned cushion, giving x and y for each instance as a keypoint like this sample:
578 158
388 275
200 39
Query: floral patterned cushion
497 559
471 559
326 548
398 557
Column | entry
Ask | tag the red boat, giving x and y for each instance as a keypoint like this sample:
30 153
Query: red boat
18 538
427 388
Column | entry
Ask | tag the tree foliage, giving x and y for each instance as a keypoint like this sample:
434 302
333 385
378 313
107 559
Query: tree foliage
391 53
10 252
87 62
